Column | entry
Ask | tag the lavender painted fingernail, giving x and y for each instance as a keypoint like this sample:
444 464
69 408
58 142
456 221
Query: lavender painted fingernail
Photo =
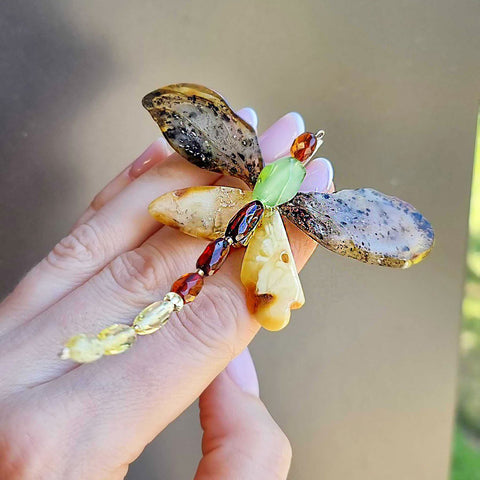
277 140
319 176
242 371
249 115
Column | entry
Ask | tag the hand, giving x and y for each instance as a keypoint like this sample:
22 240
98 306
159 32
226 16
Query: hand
59 420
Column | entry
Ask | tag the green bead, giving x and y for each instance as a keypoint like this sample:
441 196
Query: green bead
279 182
117 338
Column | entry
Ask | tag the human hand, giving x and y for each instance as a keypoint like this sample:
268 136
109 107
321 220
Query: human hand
60 420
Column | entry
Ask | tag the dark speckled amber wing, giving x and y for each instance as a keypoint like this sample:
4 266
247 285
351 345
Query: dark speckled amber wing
363 224
201 127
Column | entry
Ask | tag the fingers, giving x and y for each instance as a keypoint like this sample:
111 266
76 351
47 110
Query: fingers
144 389
240 439
153 155
120 224
116 294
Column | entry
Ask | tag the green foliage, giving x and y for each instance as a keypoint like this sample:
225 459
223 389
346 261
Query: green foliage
466 449
469 385
465 459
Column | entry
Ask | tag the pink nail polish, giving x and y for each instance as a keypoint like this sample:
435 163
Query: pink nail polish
154 154
319 176
277 140
242 371
249 115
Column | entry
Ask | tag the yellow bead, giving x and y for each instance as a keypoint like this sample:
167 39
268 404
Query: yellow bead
117 338
83 349
153 317
175 299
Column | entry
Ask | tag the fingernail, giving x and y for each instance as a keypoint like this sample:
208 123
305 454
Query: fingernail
151 156
319 176
242 371
277 140
250 116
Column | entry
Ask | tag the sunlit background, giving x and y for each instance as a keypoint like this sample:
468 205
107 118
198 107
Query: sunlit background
466 448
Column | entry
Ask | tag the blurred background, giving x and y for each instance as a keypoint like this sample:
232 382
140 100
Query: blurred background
363 381
466 449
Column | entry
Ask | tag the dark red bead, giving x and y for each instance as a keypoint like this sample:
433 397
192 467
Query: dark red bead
243 224
213 256
188 286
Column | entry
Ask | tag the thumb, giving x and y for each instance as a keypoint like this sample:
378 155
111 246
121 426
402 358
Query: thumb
240 440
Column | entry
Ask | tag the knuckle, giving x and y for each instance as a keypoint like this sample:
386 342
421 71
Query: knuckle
82 245
138 272
214 324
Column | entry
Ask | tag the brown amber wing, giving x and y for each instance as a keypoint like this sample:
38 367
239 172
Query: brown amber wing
363 224
201 127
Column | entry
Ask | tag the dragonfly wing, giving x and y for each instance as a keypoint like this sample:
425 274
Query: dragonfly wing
363 224
200 211
269 274
201 127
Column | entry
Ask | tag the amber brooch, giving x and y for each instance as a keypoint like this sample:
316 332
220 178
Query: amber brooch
363 224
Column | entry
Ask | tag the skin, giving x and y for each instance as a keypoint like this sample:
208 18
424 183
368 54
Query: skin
60 420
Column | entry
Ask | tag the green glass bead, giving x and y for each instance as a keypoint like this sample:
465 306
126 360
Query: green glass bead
279 182
153 317
117 338
83 349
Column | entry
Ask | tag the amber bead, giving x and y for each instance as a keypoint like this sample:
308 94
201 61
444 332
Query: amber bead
243 224
213 256
303 146
188 286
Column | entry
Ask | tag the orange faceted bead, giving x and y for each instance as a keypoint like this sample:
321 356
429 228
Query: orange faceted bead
303 146
188 286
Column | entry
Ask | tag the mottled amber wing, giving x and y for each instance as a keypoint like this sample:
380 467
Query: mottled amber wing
200 126
200 211
363 224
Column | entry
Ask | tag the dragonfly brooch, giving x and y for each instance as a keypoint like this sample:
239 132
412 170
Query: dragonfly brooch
363 224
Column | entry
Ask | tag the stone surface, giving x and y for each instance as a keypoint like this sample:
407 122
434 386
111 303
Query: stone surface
279 181
363 224
200 211
270 276
201 127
